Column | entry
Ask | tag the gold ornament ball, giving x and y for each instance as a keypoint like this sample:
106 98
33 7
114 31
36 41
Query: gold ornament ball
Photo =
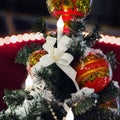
35 58
68 8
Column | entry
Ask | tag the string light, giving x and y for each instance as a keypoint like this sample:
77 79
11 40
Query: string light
7 40
110 40
21 38
39 36
13 39
1 41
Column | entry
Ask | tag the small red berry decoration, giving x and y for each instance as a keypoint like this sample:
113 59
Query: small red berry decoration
93 71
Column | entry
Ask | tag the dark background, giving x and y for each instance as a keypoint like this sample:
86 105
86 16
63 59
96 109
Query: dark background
105 12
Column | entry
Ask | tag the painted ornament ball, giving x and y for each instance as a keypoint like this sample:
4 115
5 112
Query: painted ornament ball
34 58
68 8
93 71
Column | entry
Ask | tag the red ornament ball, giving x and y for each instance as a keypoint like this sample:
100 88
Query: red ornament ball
93 71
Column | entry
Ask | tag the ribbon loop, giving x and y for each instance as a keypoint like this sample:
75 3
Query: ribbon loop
66 59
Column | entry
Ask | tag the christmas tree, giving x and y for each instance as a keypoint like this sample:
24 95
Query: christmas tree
67 78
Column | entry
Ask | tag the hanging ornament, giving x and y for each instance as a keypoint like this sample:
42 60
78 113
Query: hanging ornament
34 58
112 104
93 71
68 9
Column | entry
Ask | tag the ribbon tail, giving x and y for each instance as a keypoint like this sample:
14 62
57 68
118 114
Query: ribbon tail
70 72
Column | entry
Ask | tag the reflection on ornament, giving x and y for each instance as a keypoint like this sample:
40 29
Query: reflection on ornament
93 71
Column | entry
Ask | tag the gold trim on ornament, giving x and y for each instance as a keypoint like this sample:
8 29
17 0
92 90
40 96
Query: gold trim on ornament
81 78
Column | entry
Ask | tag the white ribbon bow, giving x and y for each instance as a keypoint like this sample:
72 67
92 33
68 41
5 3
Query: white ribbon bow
58 56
